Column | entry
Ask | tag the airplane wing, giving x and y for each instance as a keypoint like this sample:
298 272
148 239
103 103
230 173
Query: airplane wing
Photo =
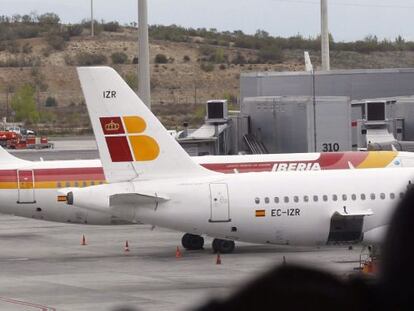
347 211
128 199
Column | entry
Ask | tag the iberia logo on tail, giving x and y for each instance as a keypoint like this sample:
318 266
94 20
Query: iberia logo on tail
125 140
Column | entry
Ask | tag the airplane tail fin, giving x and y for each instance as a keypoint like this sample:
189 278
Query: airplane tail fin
132 142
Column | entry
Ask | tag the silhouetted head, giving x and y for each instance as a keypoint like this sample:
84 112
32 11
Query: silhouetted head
297 288
397 269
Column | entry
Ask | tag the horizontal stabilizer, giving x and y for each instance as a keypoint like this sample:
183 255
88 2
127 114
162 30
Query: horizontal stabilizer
139 199
6 157
351 212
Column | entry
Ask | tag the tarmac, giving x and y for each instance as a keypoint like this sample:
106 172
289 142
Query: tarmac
43 265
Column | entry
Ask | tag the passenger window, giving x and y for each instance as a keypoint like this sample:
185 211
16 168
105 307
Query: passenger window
372 196
325 197
84 183
92 183
59 184
315 198
305 198
353 197
67 184
363 197
76 184
286 199
334 197
296 199
257 200
382 196
392 196
267 200
277 200
344 197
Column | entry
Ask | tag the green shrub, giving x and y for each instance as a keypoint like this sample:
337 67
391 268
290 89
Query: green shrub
271 55
27 48
161 59
12 47
51 102
207 67
56 41
111 26
207 50
239 59
74 30
19 61
119 58
132 80
69 60
90 59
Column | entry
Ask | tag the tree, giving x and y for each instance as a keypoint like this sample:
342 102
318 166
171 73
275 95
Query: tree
24 105
48 19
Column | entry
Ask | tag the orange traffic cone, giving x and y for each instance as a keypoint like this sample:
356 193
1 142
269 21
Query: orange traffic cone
126 249
83 240
218 260
178 253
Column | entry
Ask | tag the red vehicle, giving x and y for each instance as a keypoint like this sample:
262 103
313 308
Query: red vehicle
9 138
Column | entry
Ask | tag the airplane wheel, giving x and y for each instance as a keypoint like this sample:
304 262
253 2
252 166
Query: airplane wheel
223 246
192 242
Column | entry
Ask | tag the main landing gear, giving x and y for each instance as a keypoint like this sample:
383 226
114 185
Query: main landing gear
223 246
194 242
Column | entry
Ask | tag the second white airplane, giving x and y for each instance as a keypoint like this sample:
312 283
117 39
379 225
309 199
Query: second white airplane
152 180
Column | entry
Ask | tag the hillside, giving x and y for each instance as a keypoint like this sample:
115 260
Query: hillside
184 72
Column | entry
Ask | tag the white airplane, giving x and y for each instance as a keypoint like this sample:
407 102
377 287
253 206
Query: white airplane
30 189
151 179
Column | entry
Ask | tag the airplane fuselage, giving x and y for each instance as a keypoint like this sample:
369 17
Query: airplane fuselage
31 189
294 208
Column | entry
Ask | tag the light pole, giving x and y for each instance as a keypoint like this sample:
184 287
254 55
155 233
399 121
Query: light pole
92 21
143 54
325 36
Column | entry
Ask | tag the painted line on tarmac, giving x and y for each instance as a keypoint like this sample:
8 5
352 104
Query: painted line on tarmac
27 304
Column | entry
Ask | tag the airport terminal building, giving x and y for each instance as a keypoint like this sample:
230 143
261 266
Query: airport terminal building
327 111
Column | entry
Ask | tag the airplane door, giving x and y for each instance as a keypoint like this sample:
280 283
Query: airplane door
25 186
220 208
